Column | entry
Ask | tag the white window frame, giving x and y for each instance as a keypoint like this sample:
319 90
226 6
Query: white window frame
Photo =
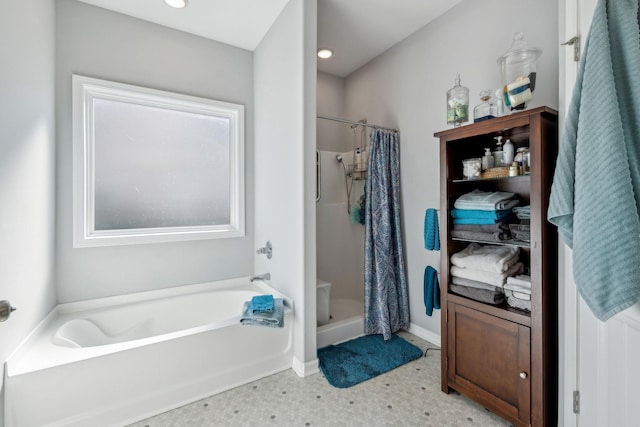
85 90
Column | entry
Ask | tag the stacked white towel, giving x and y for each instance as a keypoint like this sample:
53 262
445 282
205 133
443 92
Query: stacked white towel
521 282
518 291
481 272
487 264
491 258
495 279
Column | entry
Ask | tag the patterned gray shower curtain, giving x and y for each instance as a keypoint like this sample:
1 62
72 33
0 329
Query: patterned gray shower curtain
385 285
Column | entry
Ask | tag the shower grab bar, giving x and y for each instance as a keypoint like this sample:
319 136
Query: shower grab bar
318 177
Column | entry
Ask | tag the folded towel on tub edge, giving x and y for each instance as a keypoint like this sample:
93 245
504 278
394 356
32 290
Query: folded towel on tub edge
274 319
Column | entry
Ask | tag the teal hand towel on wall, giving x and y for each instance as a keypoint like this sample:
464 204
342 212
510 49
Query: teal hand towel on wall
431 230
595 196
431 290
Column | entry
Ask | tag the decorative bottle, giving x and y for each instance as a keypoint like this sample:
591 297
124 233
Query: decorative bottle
497 154
487 109
457 104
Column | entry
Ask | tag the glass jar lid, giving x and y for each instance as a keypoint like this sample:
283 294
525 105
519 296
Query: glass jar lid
520 52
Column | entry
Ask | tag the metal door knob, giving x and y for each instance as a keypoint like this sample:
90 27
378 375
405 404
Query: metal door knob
5 310
523 375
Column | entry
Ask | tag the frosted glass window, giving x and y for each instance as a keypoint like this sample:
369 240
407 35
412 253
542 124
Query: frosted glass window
154 166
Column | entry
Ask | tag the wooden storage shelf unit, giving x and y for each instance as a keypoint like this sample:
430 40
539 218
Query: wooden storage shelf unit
502 357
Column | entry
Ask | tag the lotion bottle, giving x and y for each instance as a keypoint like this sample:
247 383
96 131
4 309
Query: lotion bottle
487 159
498 153
508 152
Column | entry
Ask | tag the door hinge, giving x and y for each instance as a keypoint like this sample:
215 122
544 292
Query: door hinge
575 42
576 402
446 363
446 316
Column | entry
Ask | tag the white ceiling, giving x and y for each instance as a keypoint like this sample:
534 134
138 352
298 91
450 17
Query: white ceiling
240 23
356 30
359 30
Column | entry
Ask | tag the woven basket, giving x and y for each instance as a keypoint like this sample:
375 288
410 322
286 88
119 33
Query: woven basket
495 172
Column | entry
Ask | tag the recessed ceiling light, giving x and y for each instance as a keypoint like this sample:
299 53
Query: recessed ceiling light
324 53
178 4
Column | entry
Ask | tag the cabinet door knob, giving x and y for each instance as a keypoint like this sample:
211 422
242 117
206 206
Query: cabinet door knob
523 375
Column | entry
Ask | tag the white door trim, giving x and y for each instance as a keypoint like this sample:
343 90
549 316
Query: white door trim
568 357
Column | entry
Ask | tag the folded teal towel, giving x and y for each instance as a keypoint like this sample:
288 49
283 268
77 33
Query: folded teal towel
274 319
431 232
472 213
596 204
262 304
431 290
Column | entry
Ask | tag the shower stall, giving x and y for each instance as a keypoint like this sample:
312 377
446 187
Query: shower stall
341 177
340 236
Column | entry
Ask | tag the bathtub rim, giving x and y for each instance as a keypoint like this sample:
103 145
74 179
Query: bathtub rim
61 313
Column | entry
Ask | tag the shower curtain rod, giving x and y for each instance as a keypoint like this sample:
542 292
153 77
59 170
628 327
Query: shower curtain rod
351 122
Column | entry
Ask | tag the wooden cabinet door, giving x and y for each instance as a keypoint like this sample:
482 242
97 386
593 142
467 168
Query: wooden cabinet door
489 360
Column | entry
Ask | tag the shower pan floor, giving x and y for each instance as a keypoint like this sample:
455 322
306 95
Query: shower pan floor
346 322
343 308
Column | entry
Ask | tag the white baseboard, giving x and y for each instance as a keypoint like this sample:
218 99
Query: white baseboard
305 369
425 334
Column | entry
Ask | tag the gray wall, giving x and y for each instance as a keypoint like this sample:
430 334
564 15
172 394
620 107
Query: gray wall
284 89
406 86
98 43
331 136
26 168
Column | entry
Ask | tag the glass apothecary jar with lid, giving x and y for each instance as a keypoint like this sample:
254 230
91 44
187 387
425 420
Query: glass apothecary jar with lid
518 69
457 104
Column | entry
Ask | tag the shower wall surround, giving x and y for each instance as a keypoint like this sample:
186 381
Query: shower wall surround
340 244
99 43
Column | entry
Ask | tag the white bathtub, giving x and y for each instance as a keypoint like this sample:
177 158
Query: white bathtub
113 361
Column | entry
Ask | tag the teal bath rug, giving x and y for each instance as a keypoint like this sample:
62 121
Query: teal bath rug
360 359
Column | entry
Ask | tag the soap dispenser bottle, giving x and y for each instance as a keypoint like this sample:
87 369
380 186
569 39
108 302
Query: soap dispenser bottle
357 160
507 154
498 153
487 159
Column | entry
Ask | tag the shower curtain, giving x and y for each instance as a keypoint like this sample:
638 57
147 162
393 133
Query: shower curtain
386 300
